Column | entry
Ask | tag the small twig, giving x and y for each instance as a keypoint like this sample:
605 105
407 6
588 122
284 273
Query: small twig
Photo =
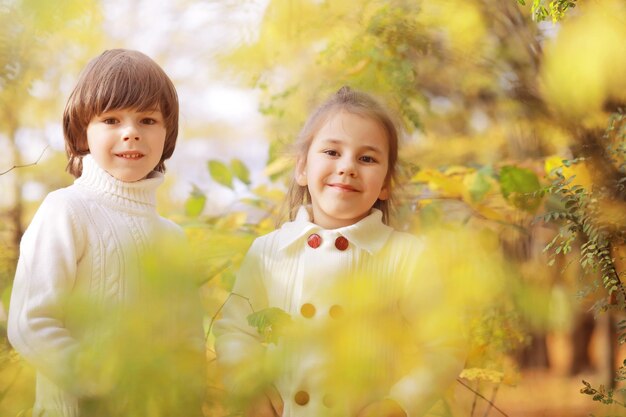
475 399
481 396
493 399
220 309
595 393
26 165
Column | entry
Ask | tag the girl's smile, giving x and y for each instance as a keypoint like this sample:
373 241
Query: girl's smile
343 187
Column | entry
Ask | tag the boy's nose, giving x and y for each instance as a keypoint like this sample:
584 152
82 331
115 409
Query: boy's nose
130 133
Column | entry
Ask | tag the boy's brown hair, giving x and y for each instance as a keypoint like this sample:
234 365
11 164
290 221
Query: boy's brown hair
118 79
356 102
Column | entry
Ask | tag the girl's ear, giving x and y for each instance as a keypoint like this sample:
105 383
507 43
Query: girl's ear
300 173
384 193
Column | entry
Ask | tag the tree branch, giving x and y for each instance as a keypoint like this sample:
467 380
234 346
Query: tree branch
481 396
27 165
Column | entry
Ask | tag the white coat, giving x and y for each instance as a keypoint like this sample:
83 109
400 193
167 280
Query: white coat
321 277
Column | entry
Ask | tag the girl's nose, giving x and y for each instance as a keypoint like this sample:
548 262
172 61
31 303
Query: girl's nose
346 167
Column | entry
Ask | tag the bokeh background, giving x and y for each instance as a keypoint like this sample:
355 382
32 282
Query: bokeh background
514 151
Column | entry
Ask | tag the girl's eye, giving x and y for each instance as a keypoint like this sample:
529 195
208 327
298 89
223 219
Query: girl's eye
331 152
109 121
368 159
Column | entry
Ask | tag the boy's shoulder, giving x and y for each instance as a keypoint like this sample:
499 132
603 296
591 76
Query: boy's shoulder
171 226
62 198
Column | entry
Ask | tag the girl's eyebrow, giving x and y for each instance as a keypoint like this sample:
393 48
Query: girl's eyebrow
373 149
364 147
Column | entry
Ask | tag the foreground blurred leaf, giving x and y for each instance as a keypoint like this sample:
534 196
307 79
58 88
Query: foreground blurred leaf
270 323
586 63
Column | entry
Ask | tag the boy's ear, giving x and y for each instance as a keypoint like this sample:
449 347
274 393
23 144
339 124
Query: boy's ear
300 173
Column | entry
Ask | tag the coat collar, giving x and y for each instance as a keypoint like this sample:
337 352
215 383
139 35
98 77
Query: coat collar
369 234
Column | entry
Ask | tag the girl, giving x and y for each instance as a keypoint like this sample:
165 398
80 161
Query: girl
86 242
317 268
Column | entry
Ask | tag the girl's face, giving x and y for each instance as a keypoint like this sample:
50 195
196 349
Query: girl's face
126 143
345 169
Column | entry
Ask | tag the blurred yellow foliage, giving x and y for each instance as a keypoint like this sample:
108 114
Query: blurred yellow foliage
586 63
461 20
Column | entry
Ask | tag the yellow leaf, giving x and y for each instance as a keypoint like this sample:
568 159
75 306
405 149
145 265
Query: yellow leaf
232 221
581 175
551 163
448 186
490 375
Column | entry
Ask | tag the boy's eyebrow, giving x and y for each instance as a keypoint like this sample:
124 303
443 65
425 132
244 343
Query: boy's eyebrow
339 142
156 110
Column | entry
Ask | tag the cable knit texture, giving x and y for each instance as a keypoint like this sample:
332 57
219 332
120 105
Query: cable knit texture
282 270
84 239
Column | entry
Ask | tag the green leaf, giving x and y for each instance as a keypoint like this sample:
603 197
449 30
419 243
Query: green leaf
518 185
195 203
518 180
479 187
221 173
270 323
240 170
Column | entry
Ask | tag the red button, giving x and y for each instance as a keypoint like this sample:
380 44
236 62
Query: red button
341 243
314 241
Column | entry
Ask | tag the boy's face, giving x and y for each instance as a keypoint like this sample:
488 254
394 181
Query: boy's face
126 143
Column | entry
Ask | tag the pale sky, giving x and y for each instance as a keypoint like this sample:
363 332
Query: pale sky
186 37
218 114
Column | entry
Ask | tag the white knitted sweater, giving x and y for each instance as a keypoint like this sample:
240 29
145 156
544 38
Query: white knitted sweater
87 238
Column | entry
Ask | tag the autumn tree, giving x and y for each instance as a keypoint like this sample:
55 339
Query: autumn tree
494 96
34 34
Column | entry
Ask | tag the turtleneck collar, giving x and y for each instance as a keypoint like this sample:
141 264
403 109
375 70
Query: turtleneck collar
138 195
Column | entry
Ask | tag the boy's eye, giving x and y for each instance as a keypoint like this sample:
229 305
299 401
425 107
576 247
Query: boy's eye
368 159
109 121
148 121
331 152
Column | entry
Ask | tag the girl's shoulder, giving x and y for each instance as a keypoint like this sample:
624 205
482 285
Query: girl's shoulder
406 240
269 241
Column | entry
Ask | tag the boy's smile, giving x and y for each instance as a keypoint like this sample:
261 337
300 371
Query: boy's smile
129 155
345 169
126 143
